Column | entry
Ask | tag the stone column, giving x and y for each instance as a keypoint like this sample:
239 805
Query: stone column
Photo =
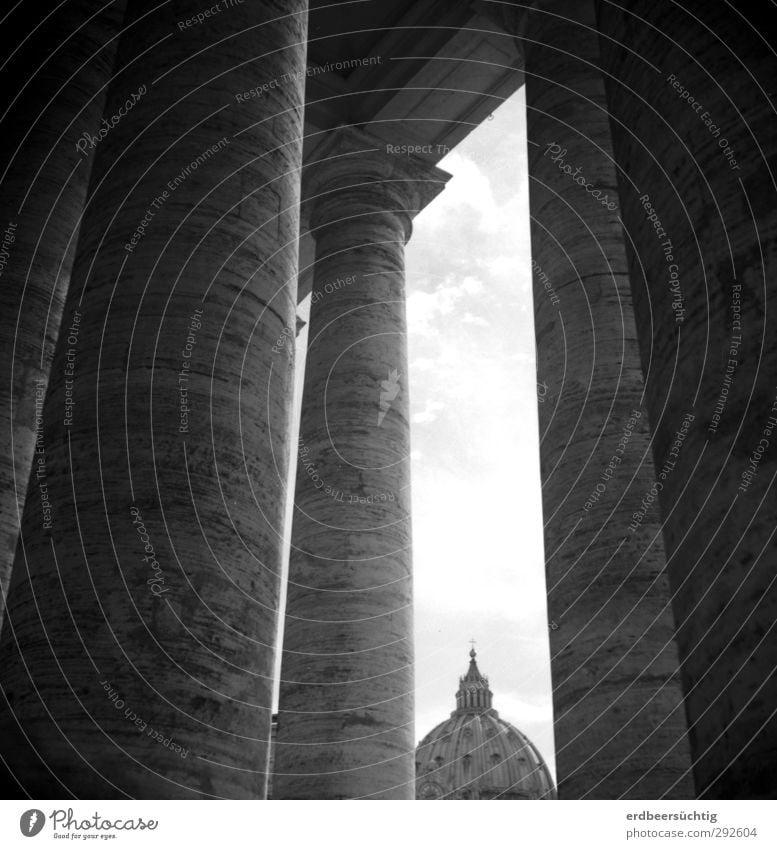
619 721
690 92
345 723
138 654
53 85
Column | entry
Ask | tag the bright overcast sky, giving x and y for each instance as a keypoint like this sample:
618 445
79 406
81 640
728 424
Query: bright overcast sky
477 519
477 515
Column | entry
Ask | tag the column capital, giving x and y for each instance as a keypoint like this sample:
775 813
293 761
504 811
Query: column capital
355 172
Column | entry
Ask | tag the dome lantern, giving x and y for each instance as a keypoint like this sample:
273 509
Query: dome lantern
473 694
477 755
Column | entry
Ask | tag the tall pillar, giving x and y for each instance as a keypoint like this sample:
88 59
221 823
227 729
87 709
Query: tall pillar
54 82
619 721
345 723
690 91
137 656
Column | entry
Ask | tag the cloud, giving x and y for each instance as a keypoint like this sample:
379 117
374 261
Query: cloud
421 364
477 518
469 190
471 551
429 414
425 309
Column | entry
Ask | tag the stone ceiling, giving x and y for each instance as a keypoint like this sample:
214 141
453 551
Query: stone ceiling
443 68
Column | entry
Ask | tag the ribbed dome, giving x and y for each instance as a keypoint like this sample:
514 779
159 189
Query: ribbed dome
477 755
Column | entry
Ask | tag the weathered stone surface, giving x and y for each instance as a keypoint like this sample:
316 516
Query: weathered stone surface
53 81
693 130
202 302
186 647
619 724
345 724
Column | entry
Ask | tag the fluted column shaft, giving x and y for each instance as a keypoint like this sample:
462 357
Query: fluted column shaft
345 725
139 648
54 83
619 722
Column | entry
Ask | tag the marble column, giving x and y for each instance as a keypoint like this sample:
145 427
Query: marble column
138 650
619 720
54 83
691 95
345 723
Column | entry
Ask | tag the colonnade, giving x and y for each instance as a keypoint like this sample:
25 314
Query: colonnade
137 648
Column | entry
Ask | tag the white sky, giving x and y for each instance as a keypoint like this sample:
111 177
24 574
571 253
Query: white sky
477 510
477 518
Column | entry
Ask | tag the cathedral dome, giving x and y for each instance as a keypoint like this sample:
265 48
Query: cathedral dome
477 755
